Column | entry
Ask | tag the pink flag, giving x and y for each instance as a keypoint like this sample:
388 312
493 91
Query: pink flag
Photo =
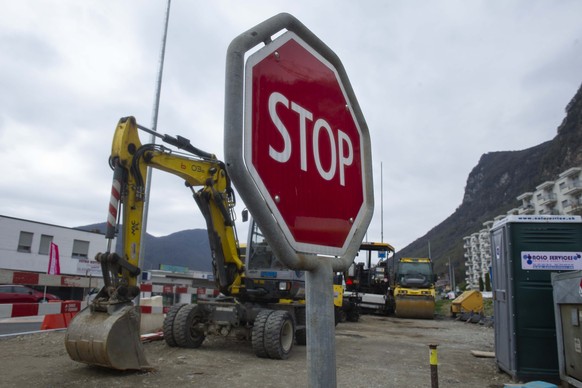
54 267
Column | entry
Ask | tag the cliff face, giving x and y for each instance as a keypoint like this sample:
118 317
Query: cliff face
494 184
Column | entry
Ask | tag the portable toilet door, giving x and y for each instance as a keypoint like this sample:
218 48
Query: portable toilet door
526 250
502 308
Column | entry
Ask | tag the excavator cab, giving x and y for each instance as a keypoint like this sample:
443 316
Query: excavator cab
266 275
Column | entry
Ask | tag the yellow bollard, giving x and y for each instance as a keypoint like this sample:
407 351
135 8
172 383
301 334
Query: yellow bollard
434 375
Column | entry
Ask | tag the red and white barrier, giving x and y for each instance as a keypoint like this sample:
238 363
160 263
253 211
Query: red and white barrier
201 292
40 279
30 309
148 289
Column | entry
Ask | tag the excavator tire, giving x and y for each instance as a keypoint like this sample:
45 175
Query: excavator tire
279 335
340 316
353 314
301 334
186 332
258 333
168 327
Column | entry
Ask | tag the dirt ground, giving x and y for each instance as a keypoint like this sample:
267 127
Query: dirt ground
374 352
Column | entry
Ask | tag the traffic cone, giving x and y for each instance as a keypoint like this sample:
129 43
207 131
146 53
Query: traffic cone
53 321
68 317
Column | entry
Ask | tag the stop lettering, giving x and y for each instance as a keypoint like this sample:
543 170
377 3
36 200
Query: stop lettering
344 154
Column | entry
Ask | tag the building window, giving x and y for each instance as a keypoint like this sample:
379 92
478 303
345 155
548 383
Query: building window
80 249
45 244
25 242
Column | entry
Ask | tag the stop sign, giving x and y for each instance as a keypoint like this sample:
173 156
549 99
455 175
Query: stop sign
303 145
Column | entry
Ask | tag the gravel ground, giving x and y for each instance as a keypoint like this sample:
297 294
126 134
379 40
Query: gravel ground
374 352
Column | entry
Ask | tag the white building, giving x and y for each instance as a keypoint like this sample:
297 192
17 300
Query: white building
477 255
562 196
24 246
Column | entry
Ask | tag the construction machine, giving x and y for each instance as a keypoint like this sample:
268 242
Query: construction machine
252 286
368 282
413 293
468 306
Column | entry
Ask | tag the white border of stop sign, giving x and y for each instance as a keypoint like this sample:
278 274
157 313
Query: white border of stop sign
342 152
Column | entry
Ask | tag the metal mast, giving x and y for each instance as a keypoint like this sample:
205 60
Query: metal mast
153 138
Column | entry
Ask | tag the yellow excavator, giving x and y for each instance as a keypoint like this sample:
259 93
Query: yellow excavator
252 285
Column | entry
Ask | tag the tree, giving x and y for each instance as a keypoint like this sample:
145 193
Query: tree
487 282
481 285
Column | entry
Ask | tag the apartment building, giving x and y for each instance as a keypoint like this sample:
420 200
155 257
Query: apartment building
561 196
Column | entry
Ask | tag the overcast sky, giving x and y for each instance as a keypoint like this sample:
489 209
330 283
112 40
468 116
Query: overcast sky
439 82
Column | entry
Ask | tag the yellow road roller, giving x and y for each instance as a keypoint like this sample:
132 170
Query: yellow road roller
413 291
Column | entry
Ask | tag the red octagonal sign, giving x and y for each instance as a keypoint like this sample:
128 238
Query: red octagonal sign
303 145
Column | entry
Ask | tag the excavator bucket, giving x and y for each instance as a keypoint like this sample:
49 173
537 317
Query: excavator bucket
108 339
415 307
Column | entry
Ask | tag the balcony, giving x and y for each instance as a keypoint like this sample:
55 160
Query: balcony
574 207
525 197
513 212
571 172
526 209
553 212
546 199
573 187
548 185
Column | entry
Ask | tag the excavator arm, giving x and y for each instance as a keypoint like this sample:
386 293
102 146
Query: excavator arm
211 188
107 332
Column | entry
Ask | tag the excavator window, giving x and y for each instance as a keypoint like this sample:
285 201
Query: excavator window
260 255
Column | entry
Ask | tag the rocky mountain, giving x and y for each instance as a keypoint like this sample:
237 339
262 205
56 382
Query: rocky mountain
494 184
187 248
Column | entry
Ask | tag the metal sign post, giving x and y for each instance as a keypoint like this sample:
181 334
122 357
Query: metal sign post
305 167
320 326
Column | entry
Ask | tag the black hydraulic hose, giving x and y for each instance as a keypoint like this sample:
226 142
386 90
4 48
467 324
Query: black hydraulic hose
135 170
180 142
